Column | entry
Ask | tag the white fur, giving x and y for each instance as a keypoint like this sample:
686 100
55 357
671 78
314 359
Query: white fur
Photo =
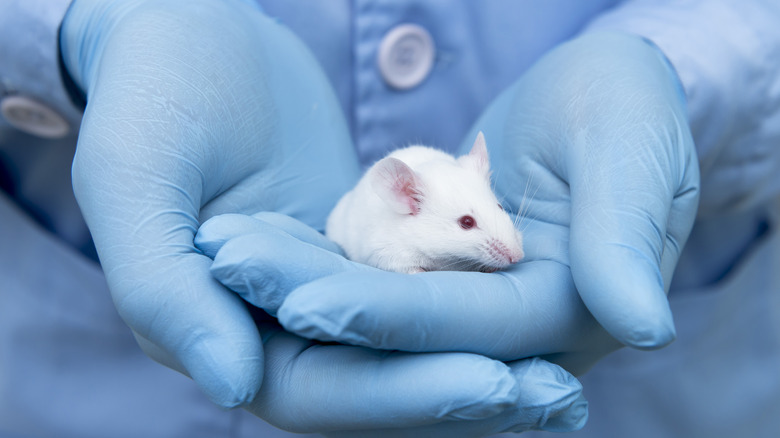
383 225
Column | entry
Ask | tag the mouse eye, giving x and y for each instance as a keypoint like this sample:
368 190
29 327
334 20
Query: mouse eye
500 207
467 222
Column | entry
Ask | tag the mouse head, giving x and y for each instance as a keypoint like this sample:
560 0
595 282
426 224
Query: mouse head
446 214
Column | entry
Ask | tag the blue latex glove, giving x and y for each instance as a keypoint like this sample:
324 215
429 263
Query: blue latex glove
592 147
197 108
433 395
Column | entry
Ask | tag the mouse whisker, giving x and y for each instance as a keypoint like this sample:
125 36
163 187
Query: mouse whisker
528 221
525 205
457 262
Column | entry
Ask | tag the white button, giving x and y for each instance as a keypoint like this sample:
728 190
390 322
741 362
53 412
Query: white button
406 56
33 117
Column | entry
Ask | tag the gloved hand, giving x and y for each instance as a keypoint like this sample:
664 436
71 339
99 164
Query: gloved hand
591 146
197 108
387 393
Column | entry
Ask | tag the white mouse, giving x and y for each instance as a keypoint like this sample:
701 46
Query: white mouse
420 209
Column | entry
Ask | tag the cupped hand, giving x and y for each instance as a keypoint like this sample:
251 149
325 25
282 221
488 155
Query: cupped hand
591 146
355 391
195 108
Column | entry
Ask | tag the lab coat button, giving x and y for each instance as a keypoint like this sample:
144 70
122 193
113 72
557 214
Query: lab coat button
406 56
33 117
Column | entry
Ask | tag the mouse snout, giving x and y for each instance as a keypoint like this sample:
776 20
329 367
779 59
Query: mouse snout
506 254
514 253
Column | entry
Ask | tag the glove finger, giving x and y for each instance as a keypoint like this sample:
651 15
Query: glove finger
530 310
549 400
202 326
263 268
159 355
625 170
161 286
213 233
625 242
353 388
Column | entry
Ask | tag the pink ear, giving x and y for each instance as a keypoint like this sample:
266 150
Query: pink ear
478 159
398 185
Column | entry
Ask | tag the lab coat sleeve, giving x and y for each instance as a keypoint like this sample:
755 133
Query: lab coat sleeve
727 55
29 57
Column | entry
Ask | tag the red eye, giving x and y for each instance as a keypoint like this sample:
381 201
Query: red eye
500 207
467 222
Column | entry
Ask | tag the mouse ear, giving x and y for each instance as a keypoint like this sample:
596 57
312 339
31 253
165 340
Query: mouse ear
397 185
477 159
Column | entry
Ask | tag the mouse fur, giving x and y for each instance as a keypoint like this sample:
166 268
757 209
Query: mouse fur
410 213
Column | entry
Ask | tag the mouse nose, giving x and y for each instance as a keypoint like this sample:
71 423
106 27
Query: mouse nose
516 255
508 253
